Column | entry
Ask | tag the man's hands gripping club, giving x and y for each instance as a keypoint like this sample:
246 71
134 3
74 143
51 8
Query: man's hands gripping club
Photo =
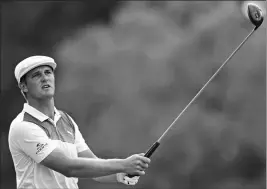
133 165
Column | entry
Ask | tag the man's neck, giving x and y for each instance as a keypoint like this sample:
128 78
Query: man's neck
45 106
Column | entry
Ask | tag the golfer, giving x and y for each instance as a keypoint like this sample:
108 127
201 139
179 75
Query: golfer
47 148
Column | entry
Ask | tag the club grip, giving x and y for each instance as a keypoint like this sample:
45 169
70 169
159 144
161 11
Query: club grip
149 153
152 149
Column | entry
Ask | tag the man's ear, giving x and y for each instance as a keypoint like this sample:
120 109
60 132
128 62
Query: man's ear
23 87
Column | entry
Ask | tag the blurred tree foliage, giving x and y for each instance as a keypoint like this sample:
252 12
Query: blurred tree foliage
127 69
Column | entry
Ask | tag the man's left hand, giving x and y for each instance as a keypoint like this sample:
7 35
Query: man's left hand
123 178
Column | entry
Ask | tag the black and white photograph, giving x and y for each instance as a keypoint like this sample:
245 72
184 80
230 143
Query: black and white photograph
108 94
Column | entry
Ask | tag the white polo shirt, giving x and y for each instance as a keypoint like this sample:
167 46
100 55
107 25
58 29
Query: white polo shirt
29 145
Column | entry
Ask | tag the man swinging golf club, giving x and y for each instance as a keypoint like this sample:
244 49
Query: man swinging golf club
46 145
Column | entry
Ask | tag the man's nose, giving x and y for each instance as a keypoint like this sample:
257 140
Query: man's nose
44 77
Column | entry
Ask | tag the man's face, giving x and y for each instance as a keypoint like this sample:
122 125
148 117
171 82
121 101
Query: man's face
40 83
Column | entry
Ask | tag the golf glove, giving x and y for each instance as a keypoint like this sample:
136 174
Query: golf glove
123 178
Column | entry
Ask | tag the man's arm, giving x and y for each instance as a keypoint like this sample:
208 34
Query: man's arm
105 179
82 167
94 167
113 178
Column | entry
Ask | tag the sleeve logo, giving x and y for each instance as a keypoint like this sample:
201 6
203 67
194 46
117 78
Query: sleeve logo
40 147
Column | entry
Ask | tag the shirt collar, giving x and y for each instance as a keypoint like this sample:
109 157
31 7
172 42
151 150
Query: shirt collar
37 114
57 115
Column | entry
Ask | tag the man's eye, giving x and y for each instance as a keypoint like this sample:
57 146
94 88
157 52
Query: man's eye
35 75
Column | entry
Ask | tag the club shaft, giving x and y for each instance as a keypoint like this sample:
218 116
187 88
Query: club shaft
200 91
153 148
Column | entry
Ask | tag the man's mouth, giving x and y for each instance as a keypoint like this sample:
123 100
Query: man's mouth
45 86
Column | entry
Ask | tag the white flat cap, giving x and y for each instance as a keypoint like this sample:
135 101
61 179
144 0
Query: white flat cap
32 62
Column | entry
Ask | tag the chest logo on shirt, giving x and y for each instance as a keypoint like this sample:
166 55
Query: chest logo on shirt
40 147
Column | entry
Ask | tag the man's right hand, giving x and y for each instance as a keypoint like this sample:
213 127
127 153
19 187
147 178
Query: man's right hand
136 164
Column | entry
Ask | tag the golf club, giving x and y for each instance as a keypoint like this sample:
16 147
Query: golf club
256 17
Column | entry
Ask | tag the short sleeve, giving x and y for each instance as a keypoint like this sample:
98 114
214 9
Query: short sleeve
79 140
32 140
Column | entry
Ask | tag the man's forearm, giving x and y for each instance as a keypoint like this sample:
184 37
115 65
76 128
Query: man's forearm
89 167
104 179
107 179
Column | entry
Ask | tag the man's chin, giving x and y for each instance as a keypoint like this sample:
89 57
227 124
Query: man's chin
48 96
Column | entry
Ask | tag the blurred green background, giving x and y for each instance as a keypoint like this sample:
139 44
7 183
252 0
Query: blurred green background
125 71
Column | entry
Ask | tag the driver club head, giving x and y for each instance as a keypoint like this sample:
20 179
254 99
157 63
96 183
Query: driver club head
255 15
